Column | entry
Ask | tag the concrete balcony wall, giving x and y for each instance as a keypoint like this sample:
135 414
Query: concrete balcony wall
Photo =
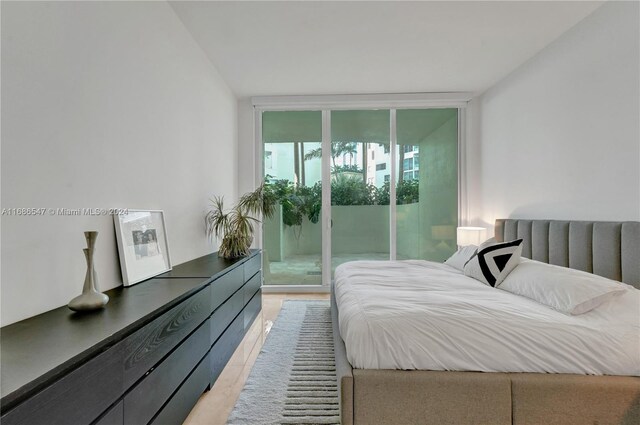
357 229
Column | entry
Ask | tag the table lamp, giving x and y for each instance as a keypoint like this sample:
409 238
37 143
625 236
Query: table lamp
470 235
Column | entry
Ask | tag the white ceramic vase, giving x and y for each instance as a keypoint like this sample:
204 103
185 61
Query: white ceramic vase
90 299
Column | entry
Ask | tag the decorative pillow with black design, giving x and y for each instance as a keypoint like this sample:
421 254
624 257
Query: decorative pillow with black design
493 262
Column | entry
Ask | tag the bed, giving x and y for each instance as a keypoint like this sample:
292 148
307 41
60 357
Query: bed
519 384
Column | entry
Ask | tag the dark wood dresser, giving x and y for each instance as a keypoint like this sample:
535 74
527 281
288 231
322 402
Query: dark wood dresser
144 359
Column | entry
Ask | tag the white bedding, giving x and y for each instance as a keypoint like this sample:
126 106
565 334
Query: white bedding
423 315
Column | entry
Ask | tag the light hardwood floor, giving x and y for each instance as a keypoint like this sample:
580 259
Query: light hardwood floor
214 406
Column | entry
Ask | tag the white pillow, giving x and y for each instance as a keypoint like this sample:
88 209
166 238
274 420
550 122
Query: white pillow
461 256
493 262
566 290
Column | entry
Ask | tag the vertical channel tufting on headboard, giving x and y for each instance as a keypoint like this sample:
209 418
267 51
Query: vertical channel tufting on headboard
498 230
524 233
559 243
581 246
609 249
630 253
510 230
607 245
540 241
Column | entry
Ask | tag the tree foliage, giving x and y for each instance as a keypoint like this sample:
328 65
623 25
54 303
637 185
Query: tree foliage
306 201
407 192
347 190
297 201
338 149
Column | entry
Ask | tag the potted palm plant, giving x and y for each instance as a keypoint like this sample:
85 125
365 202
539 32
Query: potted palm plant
236 226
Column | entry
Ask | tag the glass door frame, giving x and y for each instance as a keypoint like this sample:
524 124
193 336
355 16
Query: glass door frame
326 104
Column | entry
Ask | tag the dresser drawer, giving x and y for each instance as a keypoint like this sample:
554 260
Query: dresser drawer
252 309
251 287
225 314
115 416
226 345
146 398
252 266
150 344
78 397
178 408
224 286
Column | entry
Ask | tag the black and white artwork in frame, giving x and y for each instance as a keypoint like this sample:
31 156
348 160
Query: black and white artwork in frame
142 245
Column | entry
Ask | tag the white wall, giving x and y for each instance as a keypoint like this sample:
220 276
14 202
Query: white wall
104 104
248 165
246 146
559 138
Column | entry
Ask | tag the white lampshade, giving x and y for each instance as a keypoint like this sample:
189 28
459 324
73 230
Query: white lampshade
471 235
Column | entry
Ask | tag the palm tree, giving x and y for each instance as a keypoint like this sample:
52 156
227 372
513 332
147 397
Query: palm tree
337 149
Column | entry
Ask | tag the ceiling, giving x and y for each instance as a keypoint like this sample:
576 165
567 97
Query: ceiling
321 47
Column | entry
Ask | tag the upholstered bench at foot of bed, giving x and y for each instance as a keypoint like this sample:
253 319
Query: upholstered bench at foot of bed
391 397
564 399
430 397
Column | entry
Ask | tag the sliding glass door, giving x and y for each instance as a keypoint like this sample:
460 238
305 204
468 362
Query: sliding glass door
360 179
292 238
426 183
391 189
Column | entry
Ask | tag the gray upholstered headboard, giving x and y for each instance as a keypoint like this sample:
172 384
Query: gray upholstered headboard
606 248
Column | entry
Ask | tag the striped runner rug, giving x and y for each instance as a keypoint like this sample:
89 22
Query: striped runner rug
294 379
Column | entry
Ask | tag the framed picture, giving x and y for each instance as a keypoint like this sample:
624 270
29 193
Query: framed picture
142 245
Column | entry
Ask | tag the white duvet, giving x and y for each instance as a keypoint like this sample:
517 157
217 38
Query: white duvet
423 315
